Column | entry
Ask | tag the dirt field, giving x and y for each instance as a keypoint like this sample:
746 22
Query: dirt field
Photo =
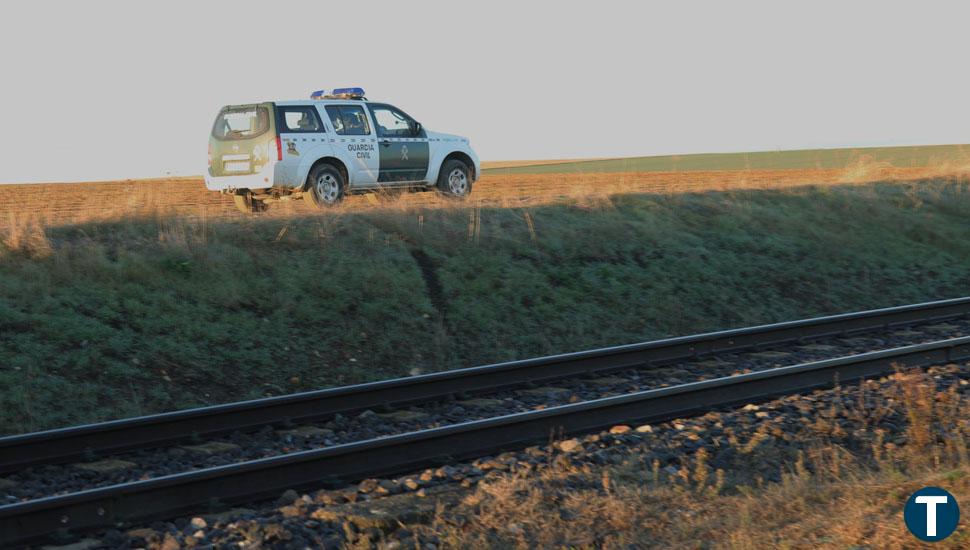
494 164
71 203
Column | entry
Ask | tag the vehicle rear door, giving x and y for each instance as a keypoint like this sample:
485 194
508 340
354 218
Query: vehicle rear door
402 143
242 140
355 138
300 129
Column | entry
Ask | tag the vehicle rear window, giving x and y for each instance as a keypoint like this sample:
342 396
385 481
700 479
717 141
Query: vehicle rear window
241 123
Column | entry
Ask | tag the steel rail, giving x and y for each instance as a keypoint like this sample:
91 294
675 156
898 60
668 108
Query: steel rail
252 480
95 440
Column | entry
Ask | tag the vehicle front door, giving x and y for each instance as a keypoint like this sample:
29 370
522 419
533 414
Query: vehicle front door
402 143
300 130
355 137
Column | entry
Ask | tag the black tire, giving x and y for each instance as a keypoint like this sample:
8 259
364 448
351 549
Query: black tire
245 203
455 179
324 187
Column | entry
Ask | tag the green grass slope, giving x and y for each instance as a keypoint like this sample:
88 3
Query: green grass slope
104 321
807 159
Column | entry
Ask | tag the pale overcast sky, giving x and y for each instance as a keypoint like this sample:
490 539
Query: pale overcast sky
102 90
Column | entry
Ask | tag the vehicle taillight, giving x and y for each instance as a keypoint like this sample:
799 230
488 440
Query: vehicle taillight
210 155
279 149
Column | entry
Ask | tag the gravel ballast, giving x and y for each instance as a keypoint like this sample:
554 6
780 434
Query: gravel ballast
752 444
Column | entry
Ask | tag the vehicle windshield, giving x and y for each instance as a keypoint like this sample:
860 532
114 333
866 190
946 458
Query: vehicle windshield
241 123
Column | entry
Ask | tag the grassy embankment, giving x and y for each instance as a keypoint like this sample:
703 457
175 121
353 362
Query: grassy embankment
107 320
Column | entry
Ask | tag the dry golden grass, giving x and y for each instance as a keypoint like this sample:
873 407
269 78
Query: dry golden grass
830 498
43 205
26 211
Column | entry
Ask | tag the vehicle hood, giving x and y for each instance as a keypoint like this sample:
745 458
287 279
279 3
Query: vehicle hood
445 137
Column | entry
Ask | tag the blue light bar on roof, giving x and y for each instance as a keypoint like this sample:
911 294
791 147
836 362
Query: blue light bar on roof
339 93
348 92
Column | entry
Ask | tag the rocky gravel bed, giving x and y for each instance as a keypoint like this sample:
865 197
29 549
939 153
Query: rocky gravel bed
754 442
144 464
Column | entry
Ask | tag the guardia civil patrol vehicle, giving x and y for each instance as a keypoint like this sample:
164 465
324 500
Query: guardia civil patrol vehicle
326 147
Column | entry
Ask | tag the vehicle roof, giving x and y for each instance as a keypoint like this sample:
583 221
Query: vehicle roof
323 101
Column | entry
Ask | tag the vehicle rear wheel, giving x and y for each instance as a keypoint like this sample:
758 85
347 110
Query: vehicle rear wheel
325 187
455 180
246 204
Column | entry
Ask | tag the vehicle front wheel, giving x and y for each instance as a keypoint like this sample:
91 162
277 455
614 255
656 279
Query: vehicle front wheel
246 204
325 187
455 179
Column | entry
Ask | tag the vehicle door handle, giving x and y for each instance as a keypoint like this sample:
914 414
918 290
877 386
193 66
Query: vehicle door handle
386 143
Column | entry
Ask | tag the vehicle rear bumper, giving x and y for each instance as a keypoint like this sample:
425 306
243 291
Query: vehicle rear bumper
261 180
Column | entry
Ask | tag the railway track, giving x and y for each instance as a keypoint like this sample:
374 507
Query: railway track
348 461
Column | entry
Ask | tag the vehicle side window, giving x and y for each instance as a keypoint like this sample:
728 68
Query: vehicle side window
300 119
348 120
391 122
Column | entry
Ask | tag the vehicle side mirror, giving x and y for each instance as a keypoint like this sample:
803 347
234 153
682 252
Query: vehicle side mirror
415 128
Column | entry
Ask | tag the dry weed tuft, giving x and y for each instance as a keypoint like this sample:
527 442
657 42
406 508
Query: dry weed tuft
182 234
25 234
866 169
